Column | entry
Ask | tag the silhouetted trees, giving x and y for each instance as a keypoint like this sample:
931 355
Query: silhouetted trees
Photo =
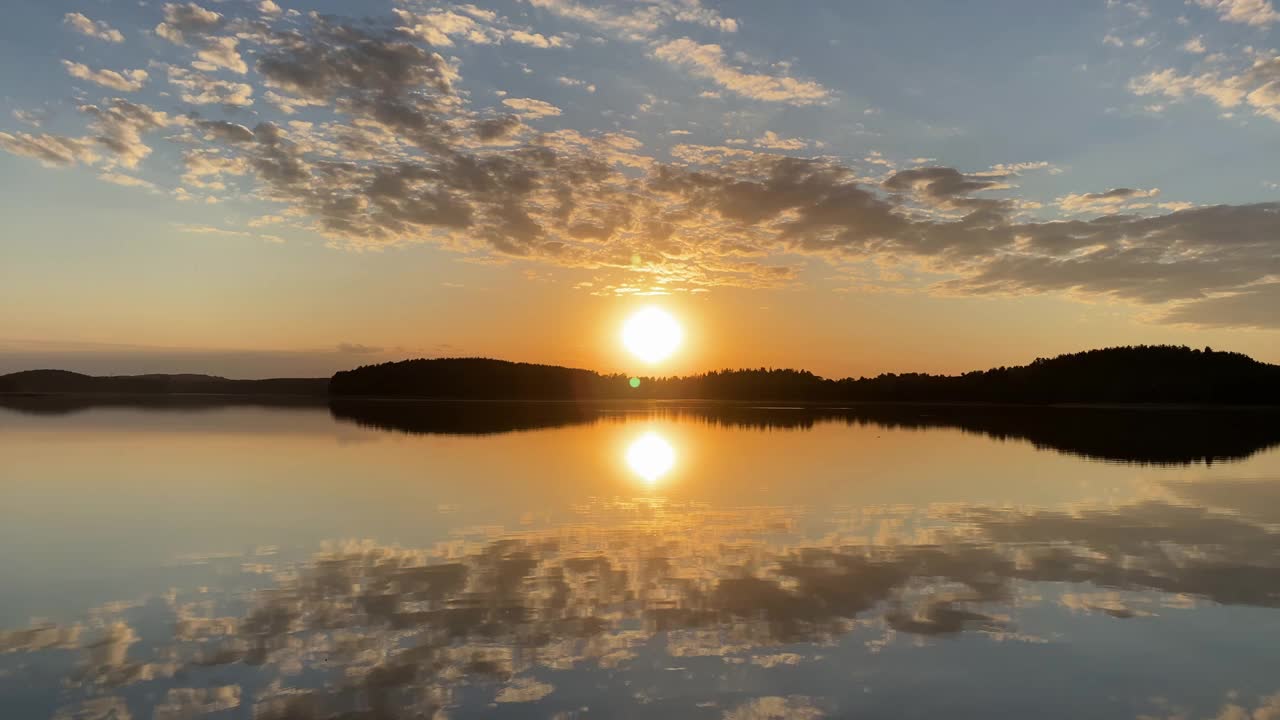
1138 374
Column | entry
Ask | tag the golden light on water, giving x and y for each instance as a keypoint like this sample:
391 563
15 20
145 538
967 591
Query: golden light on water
652 334
650 456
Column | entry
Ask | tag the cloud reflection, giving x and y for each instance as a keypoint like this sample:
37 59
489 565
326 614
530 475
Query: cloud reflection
386 631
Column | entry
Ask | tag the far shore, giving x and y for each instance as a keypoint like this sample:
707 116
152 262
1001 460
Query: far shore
763 404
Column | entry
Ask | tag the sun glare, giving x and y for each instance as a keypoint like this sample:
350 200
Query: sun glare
652 334
651 457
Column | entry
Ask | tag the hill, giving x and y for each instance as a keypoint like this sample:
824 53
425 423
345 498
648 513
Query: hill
63 381
1138 374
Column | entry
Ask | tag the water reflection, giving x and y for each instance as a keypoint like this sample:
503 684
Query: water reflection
1158 436
805 599
651 457
388 632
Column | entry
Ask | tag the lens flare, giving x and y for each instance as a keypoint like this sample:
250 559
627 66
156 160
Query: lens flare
651 457
652 334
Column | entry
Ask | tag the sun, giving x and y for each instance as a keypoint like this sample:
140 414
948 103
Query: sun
652 334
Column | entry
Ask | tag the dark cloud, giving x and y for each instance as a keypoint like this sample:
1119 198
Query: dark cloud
1254 306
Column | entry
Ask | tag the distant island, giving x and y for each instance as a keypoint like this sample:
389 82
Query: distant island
66 382
1145 374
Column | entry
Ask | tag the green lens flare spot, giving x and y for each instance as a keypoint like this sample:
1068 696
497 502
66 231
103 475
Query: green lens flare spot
635 382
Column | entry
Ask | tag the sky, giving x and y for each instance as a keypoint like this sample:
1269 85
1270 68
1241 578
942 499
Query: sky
278 188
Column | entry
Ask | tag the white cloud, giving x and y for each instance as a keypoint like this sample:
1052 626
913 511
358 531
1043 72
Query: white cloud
708 61
92 28
574 82
1111 201
1248 12
185 20
642 20
1257 87
443 27
1194 46
50 150
127 81
772 141
220 52
126 180
267 7
531 108
200 89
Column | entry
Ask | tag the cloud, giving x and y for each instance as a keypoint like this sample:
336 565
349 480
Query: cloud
1111 201
573 82
530 108
392 153
441 27
128 81
116 178
119 128
1195 46
221 52
50 150
358 349
92 28
772 141
641 20
1257 87
708 61
267 7
1250 306
1248 12
199 89
186 21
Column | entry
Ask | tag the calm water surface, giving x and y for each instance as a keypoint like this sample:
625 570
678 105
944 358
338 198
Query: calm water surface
412 560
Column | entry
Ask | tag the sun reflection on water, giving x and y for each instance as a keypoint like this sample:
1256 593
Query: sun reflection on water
651 457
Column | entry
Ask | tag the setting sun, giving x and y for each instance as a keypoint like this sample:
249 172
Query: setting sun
652 334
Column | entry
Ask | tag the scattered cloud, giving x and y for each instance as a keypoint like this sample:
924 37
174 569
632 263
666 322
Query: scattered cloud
1257 87
530 108
708 61
92 28
392 152
1110 201
127 81
198 88
772 141
1248 12
573 82
184 22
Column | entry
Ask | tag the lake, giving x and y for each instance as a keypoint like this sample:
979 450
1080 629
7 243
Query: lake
192 557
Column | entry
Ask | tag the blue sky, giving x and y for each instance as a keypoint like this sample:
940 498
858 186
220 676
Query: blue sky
184 176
